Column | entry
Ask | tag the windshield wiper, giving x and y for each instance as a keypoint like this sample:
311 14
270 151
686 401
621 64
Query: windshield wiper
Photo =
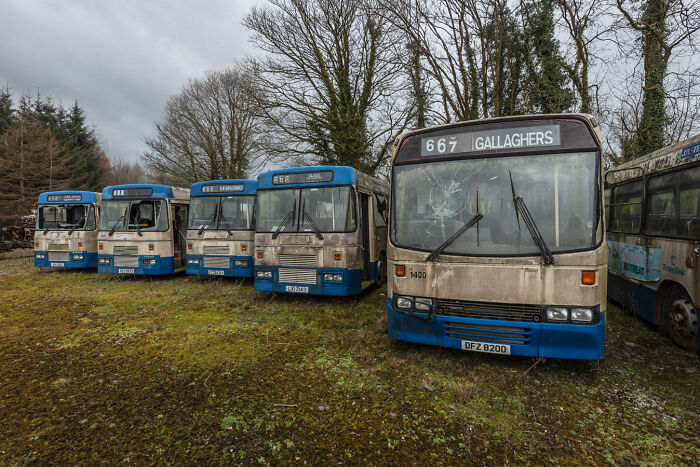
122 219
308 217
437 251
287 218
204 226
521 208
228 228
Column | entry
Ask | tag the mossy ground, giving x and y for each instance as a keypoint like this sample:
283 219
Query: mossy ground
94 369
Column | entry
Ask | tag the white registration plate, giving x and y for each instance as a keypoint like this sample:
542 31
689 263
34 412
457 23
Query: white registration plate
57 265
474 346
125 271
215 272
296 289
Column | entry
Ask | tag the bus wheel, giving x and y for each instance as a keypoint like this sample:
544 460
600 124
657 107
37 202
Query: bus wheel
681 319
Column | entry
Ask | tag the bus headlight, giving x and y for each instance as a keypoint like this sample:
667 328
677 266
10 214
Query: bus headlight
103 260
192 261
240 263
149 261
403 303
556 313
78 257
263 274
333 277
423 304
39 256
582 315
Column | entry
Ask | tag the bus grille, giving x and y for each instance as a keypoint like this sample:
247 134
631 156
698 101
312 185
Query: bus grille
215 250
216 262
297 276
126 261
487 333
58 256
126 250
58 246
298 260
487 310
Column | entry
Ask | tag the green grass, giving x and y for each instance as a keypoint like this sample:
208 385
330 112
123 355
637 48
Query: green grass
180 370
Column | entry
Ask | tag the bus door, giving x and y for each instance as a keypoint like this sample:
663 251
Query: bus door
179 223
364 234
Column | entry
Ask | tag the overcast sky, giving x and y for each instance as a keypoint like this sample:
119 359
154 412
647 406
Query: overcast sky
121 60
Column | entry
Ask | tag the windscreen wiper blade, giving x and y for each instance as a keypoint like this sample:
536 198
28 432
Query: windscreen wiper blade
114 227
211 219
313 224
522 210
437 251
287 218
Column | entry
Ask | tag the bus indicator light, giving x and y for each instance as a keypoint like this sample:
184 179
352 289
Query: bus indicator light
400 270
260 254
588 277
689 263
189 246
150 247
80 244
337 256
36 244
99 247
244 247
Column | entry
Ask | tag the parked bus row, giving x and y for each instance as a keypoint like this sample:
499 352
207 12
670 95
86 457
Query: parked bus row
493 238
316 230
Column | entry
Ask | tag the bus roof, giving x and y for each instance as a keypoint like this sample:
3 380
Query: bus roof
675 155
224 187
69 197
145 191
324 175
575 140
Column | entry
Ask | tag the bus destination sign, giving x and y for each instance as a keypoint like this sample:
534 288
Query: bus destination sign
491 140
303 177
131 192
222 188
64 198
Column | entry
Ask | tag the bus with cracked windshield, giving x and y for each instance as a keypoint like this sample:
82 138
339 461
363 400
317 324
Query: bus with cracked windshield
66 229
142 229
496 238
220 234
654 239
320 230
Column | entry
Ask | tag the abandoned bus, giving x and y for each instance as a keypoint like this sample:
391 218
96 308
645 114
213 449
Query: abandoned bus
496 237
142 229
220 233
66 229
319 230
654 238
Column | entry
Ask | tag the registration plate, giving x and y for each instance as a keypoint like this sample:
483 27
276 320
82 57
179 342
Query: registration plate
125 271
474 346
215 272
57 265
296 289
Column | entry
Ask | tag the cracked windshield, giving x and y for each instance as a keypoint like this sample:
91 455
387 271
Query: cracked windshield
432 201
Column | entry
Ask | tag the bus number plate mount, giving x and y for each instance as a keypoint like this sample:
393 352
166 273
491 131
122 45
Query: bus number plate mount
296 289
503 349
215 272
126 271
57 265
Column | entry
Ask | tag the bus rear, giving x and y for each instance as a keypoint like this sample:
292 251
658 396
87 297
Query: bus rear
220 234
66 229
496 238
142 229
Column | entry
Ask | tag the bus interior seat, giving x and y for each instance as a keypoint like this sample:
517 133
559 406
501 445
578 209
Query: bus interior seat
145 215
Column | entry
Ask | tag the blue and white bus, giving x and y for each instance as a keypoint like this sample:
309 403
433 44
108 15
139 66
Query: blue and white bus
496 237
319 230
142 229
66 229
220 235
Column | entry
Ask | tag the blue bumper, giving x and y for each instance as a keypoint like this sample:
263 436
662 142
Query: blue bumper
231 271
89 260
350 285
162 265
529 339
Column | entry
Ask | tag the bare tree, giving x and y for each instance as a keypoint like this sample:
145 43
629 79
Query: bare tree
331 71
121 172
211 130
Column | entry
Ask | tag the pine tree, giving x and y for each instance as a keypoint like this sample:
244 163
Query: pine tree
5 109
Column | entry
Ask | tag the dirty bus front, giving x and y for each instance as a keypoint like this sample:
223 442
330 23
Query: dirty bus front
220 233
319 230
66 229
142 229
496 237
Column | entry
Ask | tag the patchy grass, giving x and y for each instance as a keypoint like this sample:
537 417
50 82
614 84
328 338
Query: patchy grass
97 369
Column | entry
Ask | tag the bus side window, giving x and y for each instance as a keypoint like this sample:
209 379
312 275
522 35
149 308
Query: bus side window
662 205
606 196
689 203
380 210
627 207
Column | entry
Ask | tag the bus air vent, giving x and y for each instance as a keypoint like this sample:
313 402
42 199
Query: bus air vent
485 333
488 310
215 250
298 260
297 276
216 262
126 250
126 261
56 256
58 246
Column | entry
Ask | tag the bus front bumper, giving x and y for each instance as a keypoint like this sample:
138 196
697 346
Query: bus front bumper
530 339
146 265
350 283
238 266
76 259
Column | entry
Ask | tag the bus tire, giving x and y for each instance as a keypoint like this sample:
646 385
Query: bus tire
680 318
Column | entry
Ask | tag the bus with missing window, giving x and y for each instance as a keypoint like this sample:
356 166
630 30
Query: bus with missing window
496 238
320 230
142 229
654 238
66 229
220 234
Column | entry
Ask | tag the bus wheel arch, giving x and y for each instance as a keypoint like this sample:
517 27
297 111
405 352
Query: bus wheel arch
679 317
661 294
